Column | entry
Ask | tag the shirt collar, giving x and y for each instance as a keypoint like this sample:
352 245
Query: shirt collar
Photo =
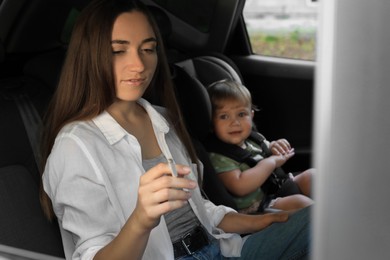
113 132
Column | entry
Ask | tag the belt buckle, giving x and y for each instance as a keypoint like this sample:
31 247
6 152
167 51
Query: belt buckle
185 245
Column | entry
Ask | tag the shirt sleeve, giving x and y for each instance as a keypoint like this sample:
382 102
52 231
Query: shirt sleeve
72 180
222 163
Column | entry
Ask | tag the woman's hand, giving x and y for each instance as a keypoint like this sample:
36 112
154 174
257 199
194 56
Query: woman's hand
245 224
267 219
159 192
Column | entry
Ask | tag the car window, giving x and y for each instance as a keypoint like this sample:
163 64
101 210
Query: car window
282 28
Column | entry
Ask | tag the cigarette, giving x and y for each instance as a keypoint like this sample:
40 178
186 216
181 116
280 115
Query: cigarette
172 165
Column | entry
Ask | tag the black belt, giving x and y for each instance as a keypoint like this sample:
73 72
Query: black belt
191 242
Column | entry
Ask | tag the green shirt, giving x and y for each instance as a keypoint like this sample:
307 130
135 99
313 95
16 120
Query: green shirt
222 164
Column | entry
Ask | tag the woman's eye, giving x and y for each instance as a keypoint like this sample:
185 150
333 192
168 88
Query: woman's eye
149 50
116 52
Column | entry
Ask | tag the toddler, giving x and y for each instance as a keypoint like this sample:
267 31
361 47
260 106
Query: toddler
247 164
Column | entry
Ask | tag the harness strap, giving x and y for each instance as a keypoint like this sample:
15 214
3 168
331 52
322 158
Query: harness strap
276 179
215 145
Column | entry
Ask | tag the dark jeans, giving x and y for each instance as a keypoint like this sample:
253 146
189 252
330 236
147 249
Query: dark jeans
288 240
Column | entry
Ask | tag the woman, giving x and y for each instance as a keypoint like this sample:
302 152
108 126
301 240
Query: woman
106 148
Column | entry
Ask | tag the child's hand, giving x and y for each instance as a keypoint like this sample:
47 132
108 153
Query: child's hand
282 158
280 147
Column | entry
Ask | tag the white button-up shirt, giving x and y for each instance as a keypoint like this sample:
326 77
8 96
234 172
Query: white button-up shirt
92 177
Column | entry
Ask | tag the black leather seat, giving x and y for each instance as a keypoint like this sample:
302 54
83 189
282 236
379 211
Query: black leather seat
23 100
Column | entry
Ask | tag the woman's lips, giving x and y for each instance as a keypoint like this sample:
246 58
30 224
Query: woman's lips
134 82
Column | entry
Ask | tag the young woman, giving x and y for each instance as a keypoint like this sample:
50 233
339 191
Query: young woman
111 158
245 161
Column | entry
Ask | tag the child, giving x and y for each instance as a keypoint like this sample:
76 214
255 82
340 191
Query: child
247 164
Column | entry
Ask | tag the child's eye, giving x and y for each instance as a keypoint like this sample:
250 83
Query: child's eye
242 114
223 117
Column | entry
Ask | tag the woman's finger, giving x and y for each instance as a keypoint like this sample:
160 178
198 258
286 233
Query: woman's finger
162 169
165 207
168 181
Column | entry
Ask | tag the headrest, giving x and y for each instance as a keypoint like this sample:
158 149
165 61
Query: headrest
162 20
46 67
191 78
209 69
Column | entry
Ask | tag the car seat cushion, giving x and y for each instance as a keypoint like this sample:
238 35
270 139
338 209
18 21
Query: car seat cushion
21 217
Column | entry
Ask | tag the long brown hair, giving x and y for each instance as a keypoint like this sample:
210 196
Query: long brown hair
87 87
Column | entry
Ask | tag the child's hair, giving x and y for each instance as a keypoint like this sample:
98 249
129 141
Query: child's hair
227 89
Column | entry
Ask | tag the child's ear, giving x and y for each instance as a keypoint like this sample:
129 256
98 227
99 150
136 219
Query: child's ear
252 113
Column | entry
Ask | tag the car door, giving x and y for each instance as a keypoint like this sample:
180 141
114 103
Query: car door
281 87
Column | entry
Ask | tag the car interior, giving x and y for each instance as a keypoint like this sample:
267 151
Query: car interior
205 41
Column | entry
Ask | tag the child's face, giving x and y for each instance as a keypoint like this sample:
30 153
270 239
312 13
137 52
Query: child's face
232 121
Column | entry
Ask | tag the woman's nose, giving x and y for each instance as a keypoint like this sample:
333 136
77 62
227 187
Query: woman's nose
136 62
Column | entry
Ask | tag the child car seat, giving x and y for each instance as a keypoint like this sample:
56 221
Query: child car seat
191 77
